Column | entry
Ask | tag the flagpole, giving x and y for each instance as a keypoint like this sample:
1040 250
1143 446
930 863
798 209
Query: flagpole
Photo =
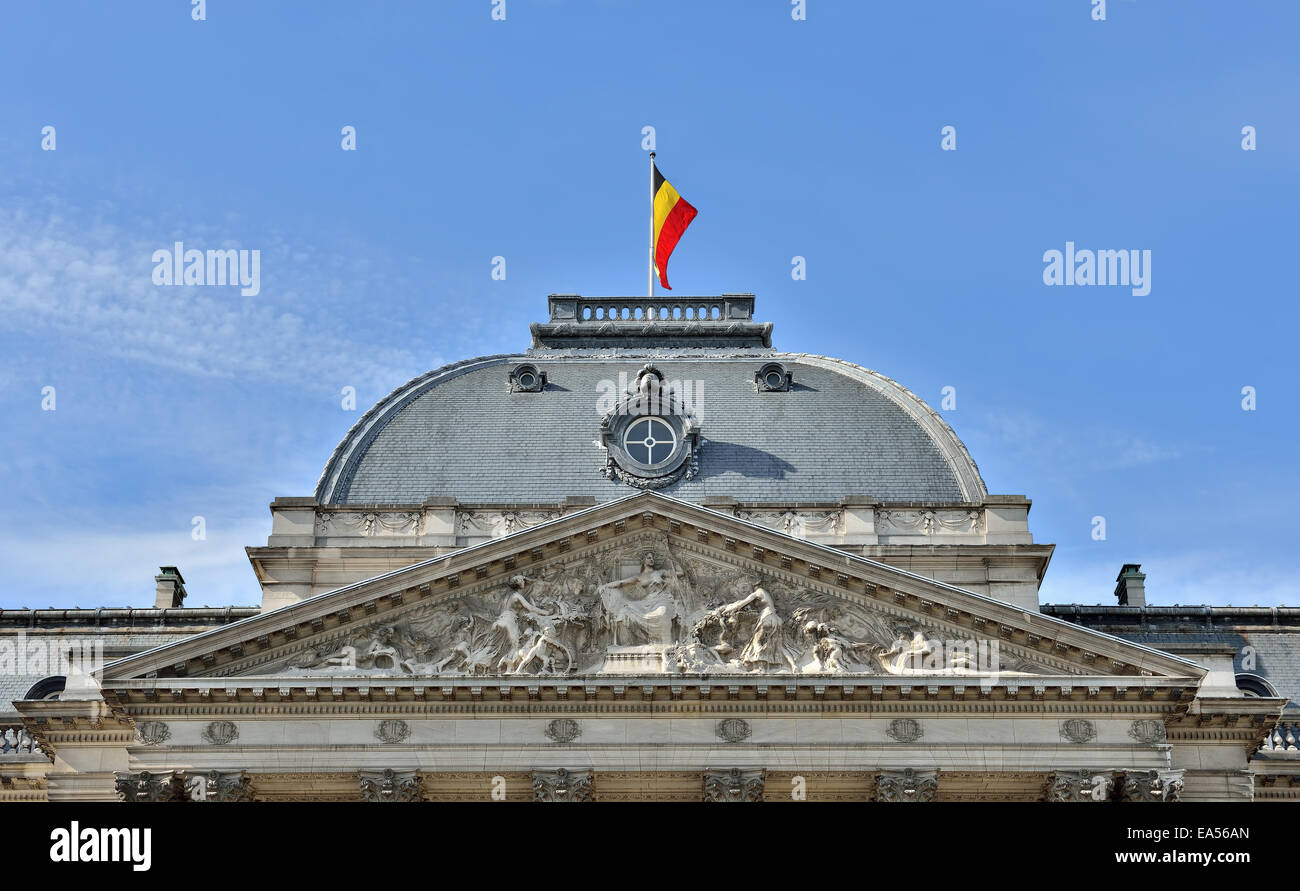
650 283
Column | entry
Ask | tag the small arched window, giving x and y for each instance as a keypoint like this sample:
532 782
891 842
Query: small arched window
48 688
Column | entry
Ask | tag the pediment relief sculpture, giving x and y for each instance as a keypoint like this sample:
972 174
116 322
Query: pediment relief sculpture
646 609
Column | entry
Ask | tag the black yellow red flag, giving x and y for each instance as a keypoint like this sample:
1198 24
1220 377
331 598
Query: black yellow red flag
672 214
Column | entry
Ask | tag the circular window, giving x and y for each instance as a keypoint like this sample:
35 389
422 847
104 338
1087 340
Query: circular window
650 441
527 380
775 380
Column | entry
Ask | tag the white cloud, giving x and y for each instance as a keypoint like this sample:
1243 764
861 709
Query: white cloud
64 567
91 285
1027 436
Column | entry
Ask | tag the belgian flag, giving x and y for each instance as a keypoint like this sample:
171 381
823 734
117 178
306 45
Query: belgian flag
672 214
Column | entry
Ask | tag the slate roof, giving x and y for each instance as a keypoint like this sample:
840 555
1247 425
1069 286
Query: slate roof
841 430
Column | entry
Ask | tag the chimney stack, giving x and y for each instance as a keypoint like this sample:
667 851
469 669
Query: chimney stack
171 588
1130 585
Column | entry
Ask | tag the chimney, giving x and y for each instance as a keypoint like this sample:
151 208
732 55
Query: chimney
171 587
1130 585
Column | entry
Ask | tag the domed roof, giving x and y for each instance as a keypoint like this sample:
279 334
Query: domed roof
471 431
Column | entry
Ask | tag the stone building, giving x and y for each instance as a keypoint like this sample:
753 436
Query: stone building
653 558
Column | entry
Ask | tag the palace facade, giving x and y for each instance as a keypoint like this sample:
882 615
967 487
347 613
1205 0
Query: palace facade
651 557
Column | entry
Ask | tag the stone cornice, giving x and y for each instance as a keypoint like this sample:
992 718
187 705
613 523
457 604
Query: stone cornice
605 693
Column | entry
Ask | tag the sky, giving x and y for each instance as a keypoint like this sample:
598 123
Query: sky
819 137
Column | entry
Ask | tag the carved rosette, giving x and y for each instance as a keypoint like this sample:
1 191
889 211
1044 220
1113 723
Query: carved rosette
226 785
1147 732
733 785
1078 731
220 733
904 730
733 730
563 730
391 785
562 785
152 733
1151 785
393 732
1080 785
907 785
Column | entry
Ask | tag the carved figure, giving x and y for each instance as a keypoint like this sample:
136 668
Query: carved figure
641 609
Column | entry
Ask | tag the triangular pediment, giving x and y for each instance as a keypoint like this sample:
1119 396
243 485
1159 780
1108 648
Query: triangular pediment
651 586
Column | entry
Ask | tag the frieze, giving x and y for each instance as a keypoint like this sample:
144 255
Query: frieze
368 523
647 609
498 524
799 524
929 522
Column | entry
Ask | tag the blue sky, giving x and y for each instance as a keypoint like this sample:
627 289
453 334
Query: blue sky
522 138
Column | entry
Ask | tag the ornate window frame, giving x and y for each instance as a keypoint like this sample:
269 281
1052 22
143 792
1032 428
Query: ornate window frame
651 398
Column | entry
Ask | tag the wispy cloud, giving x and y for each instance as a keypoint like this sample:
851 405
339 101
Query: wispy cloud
1031 437
68 567
90 283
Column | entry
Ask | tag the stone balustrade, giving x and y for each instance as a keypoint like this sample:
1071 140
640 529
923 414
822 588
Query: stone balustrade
1283 740
16 742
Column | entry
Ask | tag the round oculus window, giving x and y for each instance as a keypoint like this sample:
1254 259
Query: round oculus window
650 441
